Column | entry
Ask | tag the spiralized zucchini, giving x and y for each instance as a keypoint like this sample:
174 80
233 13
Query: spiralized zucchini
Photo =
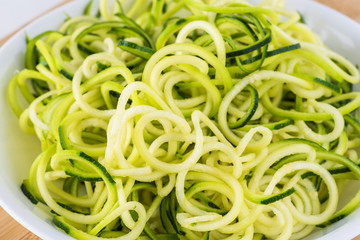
189 119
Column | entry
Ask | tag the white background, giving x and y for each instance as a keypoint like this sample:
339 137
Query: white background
15 13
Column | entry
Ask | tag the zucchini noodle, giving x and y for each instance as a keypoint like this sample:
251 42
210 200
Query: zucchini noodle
189 120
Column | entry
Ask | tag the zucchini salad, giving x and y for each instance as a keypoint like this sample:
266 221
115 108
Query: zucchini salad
189 119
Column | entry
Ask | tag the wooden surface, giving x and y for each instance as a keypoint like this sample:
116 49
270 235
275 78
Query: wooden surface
11 230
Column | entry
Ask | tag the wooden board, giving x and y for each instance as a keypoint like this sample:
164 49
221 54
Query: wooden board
10 229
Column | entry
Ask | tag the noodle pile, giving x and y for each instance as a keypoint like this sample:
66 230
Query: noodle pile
189 119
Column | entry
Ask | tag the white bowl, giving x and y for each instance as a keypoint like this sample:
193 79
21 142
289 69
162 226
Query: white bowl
18 150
